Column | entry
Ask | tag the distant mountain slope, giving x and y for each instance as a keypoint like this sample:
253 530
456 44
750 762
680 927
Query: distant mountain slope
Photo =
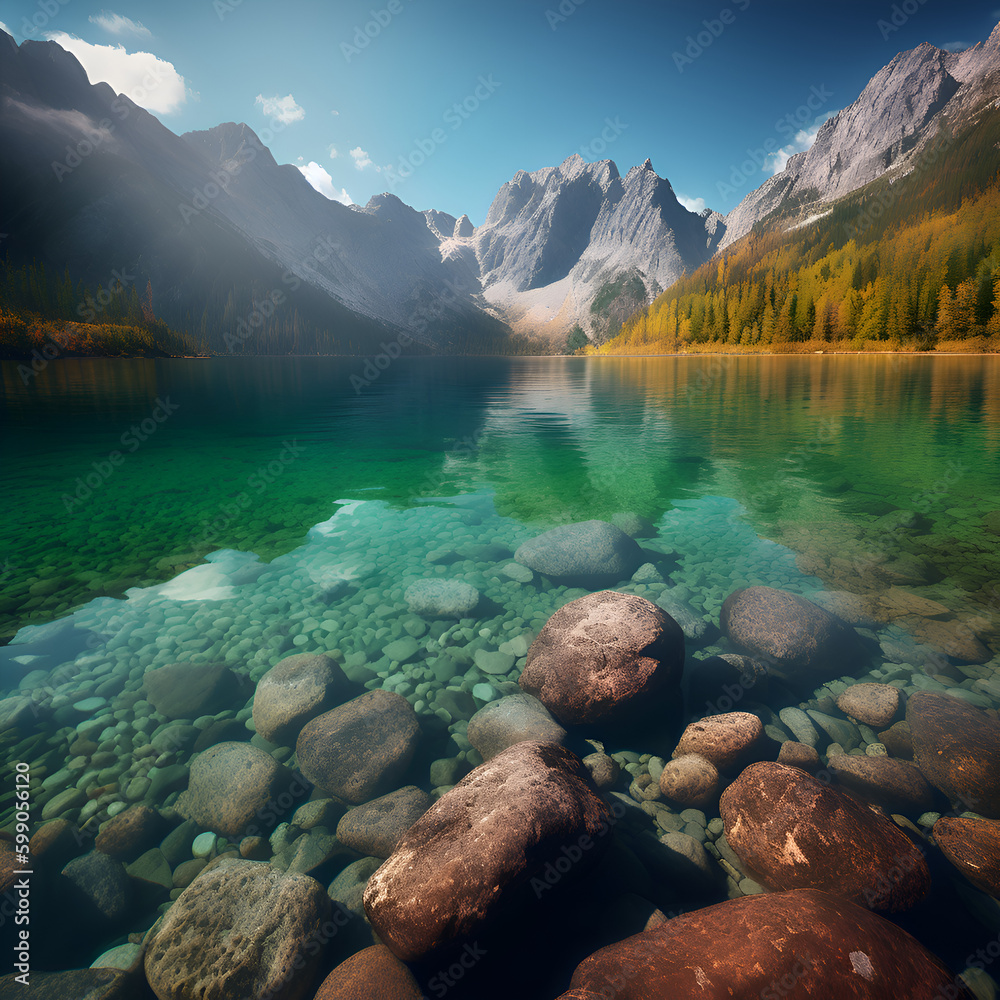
884 131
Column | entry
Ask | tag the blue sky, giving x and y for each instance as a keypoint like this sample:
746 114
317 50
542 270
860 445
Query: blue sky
442 101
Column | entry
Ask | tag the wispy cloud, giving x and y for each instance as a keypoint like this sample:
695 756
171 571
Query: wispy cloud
361 159
692 204
956 46
334 152
118 24
152 83
321 180
283 108
803 140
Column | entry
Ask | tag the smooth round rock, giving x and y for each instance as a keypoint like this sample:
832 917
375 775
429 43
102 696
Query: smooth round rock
484 839
726 740
509 720
791 831
234 790
371 974
606 658
957 746
875 705
690 781
896 785
973 847
593 552
441 598
799 755
241 929
187 690
803 643
376 827
362 749
98 888
795 945
294 691
131 832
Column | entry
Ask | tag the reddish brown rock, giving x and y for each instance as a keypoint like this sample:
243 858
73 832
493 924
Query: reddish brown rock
898 740
188 690
362 749
957 746
376 827
507 823
895 785
728 741
371 974
606 658
791 831
875 705
803 643
690 781
799 755
973 847
802 944
131 832
294 691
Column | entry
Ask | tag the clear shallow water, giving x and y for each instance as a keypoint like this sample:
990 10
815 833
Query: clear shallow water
317 506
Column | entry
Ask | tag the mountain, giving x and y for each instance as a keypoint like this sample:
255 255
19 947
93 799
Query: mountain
886 131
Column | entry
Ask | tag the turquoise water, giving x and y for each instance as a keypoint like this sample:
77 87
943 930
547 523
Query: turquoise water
241 510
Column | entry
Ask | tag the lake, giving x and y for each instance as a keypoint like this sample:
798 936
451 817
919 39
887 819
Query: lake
240 510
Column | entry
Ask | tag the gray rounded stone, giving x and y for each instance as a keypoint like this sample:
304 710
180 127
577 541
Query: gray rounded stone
441 598
510 720
591 551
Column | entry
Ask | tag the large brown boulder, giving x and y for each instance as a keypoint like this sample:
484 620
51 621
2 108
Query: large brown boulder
803 643
973 847
801 944
294 691
875 705
957 746
895 785
529 815
241 929
362 749
792 831
606 658
235 789
728 740
371 974
188 690
588 552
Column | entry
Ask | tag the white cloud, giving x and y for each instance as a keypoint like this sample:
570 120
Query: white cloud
152 83
283 108
334 152
321 180
692 204
955 46
118 24
361 158
804 138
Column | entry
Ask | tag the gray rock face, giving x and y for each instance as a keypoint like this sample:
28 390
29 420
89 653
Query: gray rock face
234 789
589 551
605 659
361 749
510 720
441 598
294 691
241 929
482 840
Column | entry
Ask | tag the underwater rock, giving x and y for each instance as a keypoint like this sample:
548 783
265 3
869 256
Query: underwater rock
690 781
719 683
234 789
799 755
529 814
78 984
441 598
294 691
189 690
372 974
896 785
594 552
973 847
606 658
875 705
898 740
98 889
241 929
129 833
791 831
728 741
509 720
803 943
957 746
804 644
375 828
361 749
